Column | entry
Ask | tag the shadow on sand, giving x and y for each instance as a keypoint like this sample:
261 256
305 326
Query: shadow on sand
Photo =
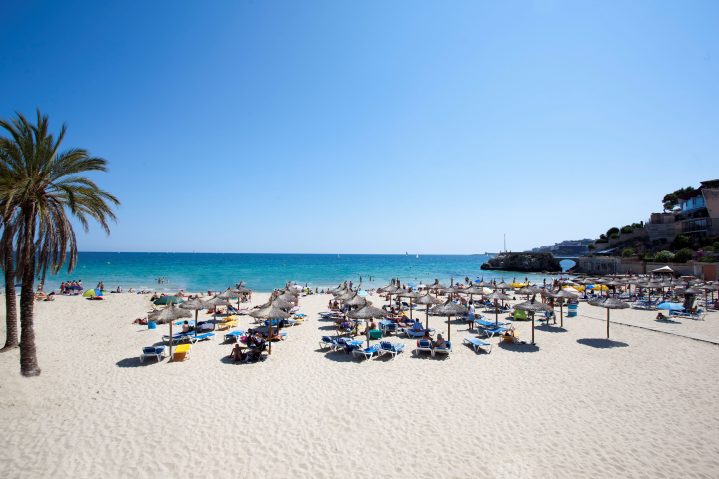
601 343
135 362
549 328
519 347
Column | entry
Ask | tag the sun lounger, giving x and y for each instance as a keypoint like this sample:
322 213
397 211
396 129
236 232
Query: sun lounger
226 325
478 344
490 331
484 323
156 352
234 336
414 333
423 345
366 353
391 348
443 350
181 352
327 342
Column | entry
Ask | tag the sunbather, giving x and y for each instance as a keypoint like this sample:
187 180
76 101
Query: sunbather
661 317
186 328
440 342
417 326
237 353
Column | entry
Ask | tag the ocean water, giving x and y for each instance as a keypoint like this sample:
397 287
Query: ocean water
264 272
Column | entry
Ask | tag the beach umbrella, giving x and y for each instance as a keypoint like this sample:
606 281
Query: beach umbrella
165 300
563 294
497 296
170 314
289 297
436 285
502 286
411 296
282 304
389 290
427 300
346 295
533 306
609 303
269 311
367 312
485 284
707 288
215 301
194 304
356 300
229 293
449 309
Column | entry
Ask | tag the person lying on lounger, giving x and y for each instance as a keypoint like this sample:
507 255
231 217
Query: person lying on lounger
440 342
661 317
186 328
417 326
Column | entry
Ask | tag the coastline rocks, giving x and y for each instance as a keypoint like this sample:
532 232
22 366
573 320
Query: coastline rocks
524 262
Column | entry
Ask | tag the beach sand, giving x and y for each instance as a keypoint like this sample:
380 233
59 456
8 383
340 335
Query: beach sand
571 407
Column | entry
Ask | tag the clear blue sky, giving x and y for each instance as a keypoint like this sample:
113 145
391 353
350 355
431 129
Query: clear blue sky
344 126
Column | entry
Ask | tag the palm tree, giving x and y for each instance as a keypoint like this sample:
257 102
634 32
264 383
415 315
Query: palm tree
39 186
7 260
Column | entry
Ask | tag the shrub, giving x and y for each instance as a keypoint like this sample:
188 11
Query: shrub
716 246
648 257
664 256
627 229
614 236
612 231
683 255
628 252
591 247
681 241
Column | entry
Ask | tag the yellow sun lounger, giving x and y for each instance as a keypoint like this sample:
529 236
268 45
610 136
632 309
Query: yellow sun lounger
181 352
227 325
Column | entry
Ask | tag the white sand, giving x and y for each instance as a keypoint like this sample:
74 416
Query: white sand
567 409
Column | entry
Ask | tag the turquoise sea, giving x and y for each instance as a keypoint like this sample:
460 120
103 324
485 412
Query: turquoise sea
264 272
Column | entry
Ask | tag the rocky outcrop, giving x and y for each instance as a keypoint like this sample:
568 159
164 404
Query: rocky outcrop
524 262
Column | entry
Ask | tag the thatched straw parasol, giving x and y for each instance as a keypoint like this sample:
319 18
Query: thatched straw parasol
609 303
533 306
427 300
411 295
269 311
356 300
195 304
449 309
170 314
367 312
216 301
436 285
282 304
497 296
502 286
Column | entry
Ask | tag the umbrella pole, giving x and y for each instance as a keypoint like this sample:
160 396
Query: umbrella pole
367 328
426 321
410 308
561 316
269 336
607 323
170 340
532 328
196 312
449 329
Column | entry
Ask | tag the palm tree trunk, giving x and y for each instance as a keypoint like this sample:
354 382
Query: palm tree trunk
28 353
10 298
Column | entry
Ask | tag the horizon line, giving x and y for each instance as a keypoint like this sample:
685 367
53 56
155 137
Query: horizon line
295 253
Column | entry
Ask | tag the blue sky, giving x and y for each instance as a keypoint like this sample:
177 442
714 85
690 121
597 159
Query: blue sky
372 127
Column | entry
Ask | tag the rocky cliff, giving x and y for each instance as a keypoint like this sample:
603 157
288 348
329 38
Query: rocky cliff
525 262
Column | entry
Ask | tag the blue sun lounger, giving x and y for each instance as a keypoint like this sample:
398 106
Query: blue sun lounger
391 348
444 350
490 331
367 353
423 345
156 352
478 344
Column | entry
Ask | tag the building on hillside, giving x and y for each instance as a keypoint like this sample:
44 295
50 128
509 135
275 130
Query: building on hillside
699 210
697 214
